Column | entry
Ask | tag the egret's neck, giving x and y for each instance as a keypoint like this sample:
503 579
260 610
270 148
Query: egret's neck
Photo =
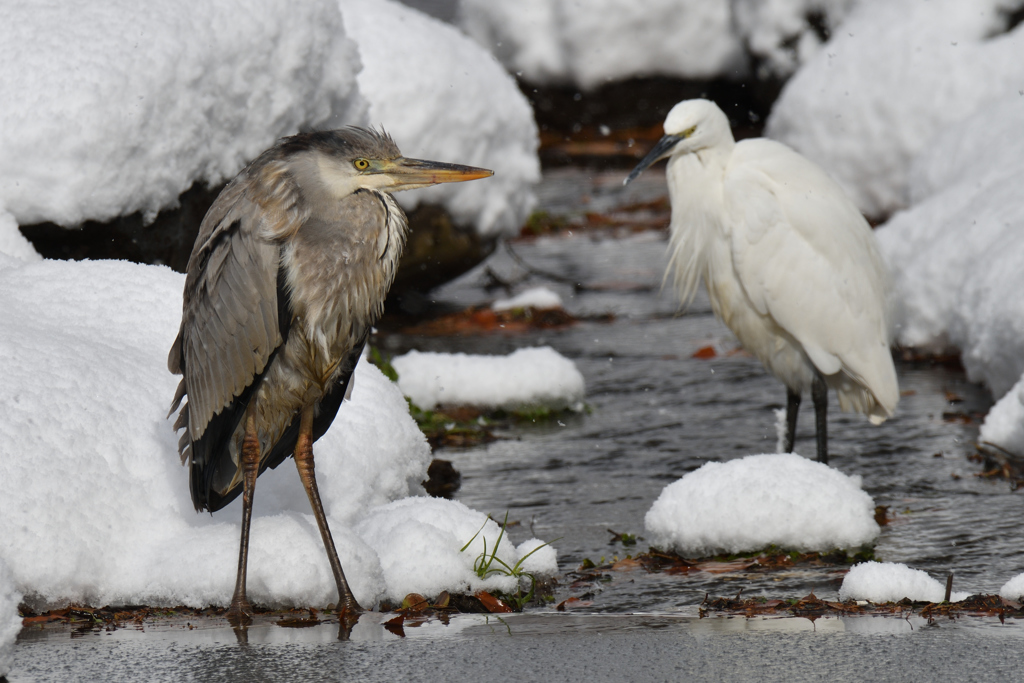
695 187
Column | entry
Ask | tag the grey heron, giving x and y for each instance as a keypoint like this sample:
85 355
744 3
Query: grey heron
789 263
288 274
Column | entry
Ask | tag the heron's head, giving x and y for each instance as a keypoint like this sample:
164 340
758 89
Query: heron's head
691 126
352 158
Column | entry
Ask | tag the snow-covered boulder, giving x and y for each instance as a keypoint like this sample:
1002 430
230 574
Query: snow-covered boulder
10 622
112 107
760 500
443 97
955 256
1014 588
592 43
533 376
893 76
94 503
891 582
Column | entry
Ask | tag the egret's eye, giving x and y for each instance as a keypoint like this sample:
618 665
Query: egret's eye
361 164
689 131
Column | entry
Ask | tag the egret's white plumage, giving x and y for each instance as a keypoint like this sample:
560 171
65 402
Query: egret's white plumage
789 263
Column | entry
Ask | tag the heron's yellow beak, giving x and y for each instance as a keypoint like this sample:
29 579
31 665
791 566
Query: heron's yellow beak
407 174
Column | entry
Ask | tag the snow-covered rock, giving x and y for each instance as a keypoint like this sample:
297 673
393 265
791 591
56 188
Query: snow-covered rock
1013 589
591 43
525 377
112 107
94 503
443 97
10 622
535 297
955 256
893 76
759 500
419 542
891 582
12 242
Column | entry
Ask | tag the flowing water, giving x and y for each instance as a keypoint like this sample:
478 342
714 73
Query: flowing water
655 413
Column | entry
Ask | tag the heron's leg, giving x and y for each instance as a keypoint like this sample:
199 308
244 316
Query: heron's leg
240 612
792 408
819 393
304 461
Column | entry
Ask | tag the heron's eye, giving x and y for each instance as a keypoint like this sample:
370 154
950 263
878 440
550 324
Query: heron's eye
689 131
361 164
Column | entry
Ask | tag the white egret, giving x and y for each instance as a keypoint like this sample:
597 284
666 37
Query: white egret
789 263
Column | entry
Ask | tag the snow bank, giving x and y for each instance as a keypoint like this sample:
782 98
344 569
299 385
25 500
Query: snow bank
527 376
112 107
591 43
94 505
891 582
442 97
784 34
418 541
956 254
1013 589
760 500
12 242
535 297
895 74
10 622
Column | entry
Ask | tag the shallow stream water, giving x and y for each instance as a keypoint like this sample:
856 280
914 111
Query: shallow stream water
655 413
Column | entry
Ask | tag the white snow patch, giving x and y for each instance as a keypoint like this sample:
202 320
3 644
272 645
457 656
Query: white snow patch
94 504
112 107
527 376
536 297
10 622
591 43
894 74
760 500
419 543
1013 589
12 242
880 582
443 97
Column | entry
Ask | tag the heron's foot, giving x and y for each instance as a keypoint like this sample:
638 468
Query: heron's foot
240 613
349 604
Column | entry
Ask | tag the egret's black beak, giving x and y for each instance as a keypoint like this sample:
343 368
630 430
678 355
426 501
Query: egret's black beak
664 146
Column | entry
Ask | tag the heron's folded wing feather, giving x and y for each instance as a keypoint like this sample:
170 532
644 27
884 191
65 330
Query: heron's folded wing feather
230 325
806 257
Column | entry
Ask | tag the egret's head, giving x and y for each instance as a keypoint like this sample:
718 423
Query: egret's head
350 159
691 126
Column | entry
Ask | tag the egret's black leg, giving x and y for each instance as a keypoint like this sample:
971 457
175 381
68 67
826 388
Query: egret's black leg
304 462
819 393
792 408
240 612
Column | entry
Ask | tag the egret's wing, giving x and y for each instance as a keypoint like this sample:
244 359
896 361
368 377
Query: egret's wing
231 321
806 257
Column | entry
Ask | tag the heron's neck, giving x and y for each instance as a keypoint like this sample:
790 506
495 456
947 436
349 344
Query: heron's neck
695 187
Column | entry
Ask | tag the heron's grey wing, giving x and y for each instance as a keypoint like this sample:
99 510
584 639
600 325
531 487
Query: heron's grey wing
231 322
806 257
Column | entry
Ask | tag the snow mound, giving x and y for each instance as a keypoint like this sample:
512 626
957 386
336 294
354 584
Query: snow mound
536 297
94 504
115 107
10 622
591 43
880 582
1013 589
955 258
524 377
759 500
895 74
442 97
418 541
